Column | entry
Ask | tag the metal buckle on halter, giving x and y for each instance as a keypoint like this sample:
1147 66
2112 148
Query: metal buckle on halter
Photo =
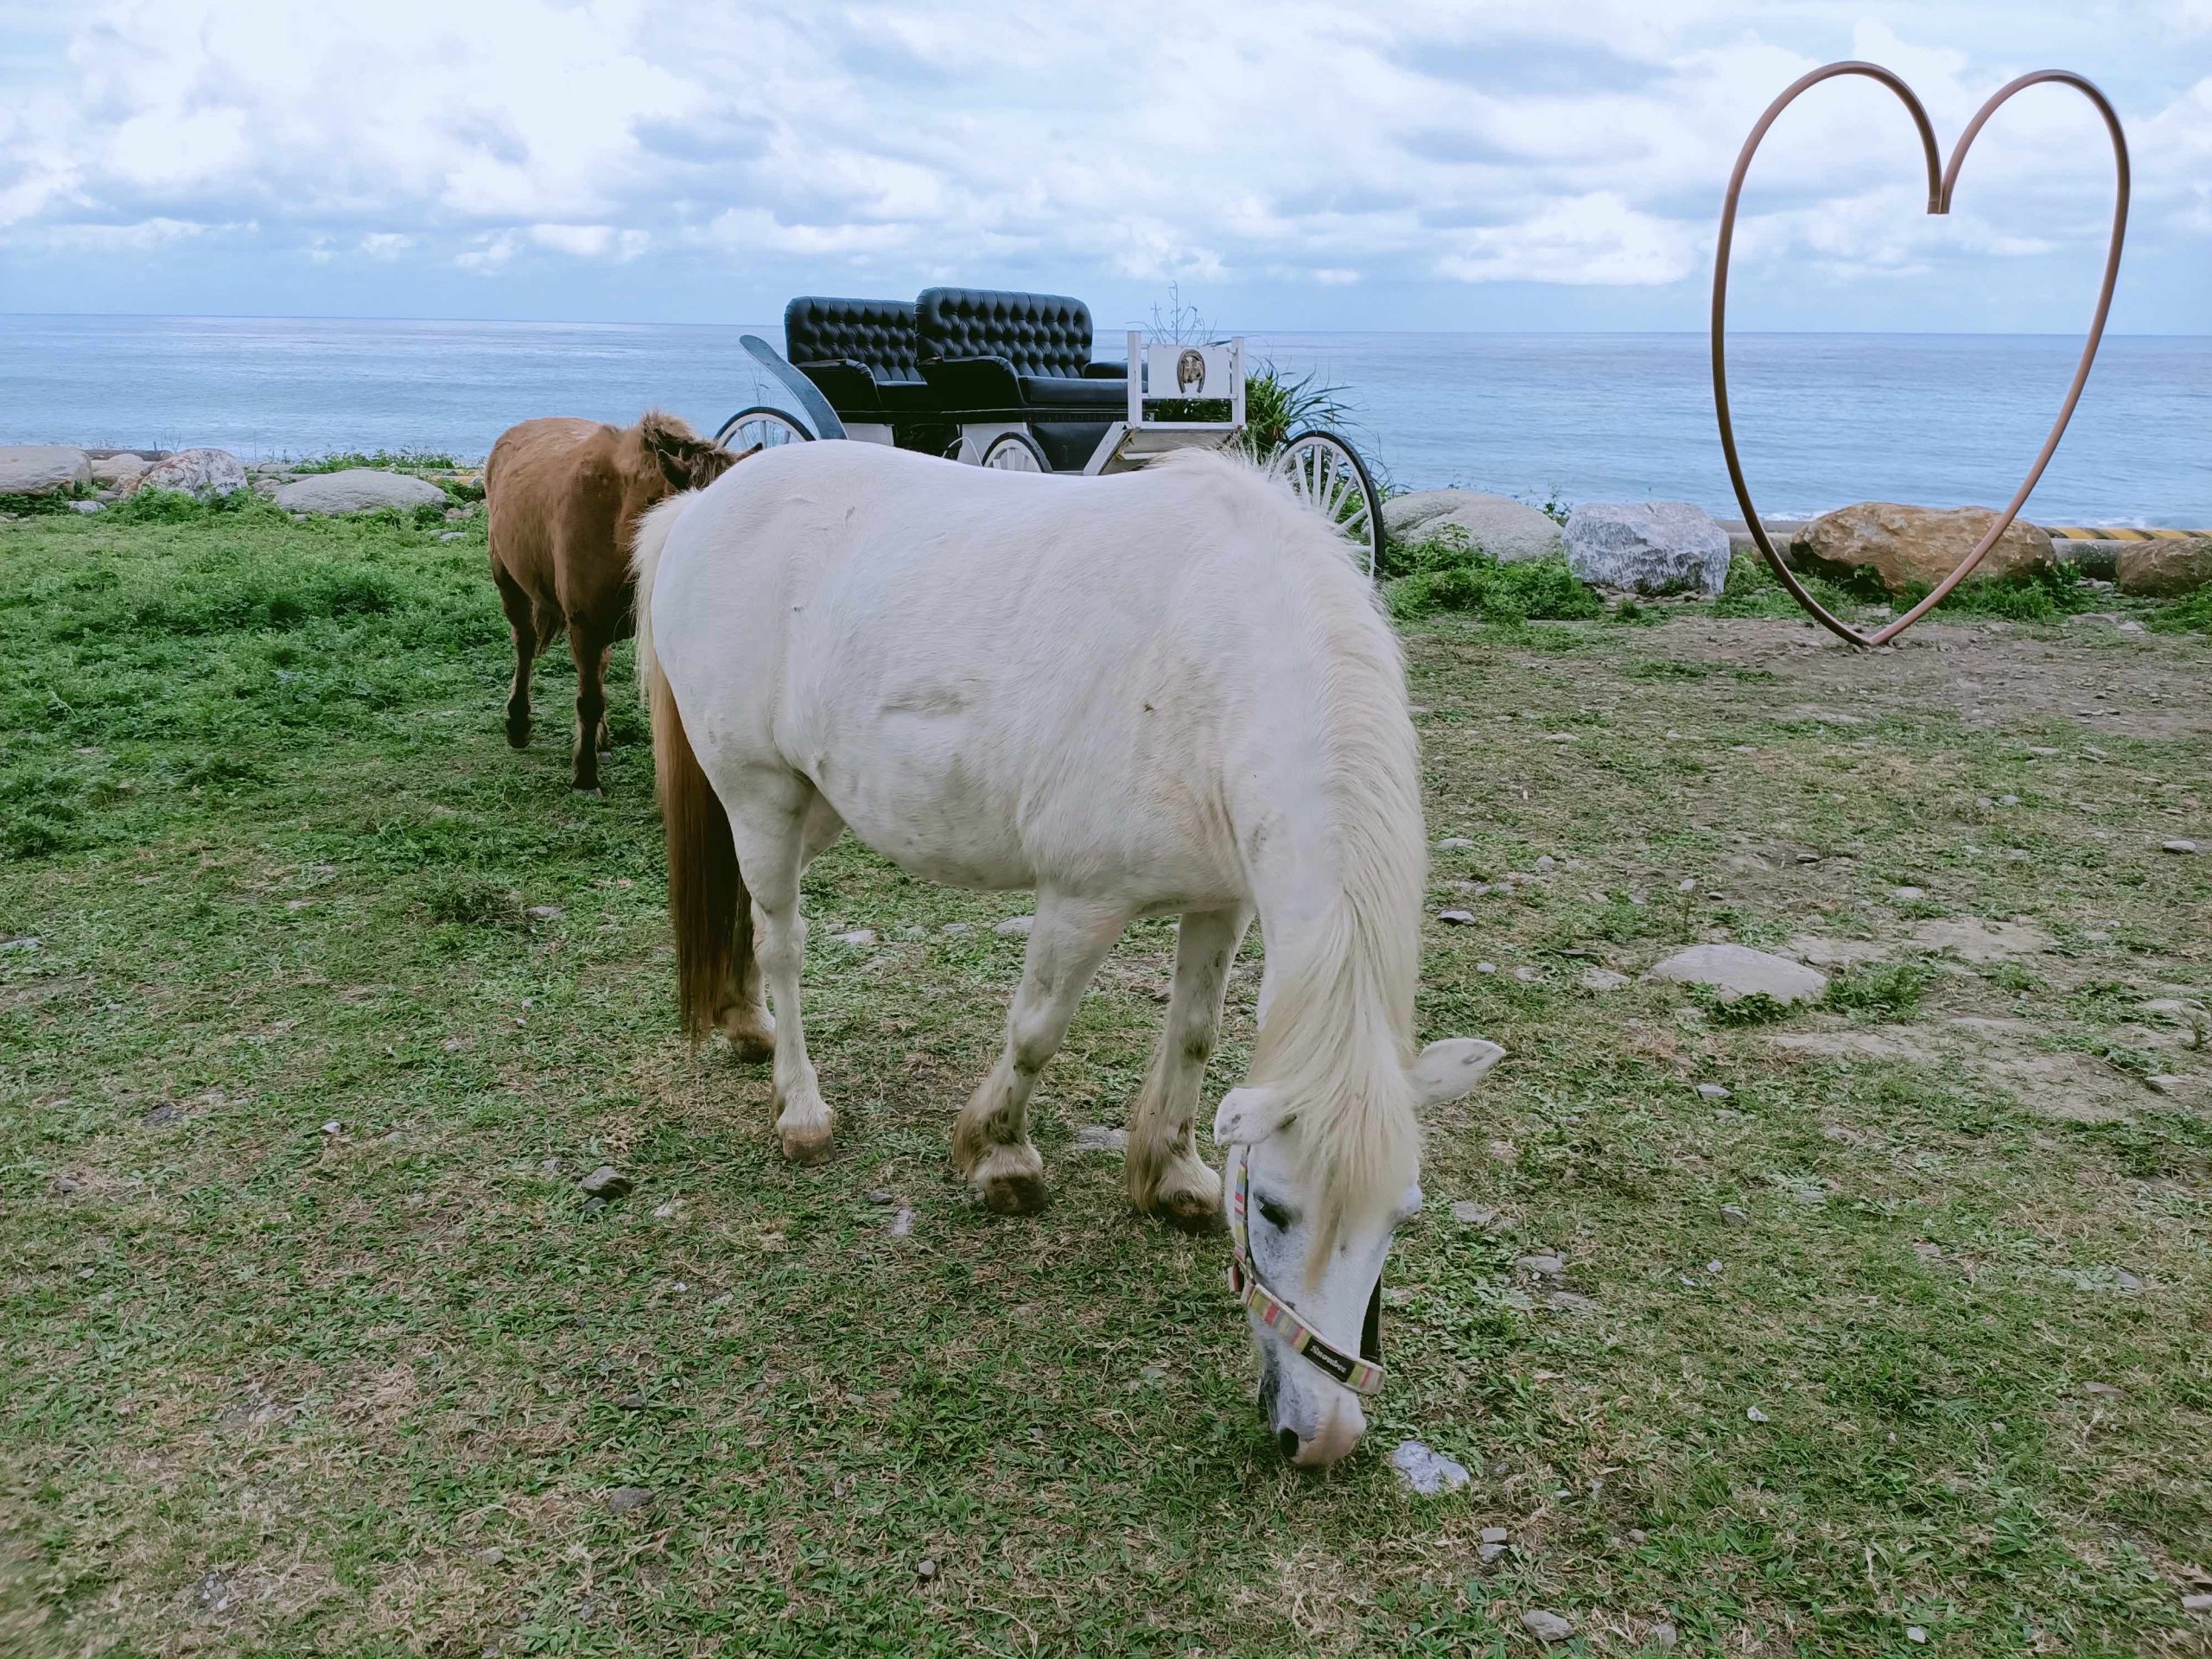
1362 1373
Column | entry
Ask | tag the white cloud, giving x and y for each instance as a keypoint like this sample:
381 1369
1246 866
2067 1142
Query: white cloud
1295 140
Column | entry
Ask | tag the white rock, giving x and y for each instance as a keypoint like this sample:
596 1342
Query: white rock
41 468
1917 1633
1453 844
857 935
1737 970
358 489
1101 1137
1015 927
2163 1082
1495 1534
1426 1471
1907 894
2177 846
205 473
1469 1213
1485 967
1456 918
1753 1414
1710 1091
2196 1603
1507 529
88 506
1650 547
1547 1627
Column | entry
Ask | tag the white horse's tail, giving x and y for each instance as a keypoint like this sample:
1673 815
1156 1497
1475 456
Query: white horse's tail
653 531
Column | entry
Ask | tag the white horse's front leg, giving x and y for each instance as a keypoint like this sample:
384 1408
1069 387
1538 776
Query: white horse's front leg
1166 1176
769 829
990 1143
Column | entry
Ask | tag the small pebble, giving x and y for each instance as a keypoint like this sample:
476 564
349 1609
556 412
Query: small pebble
1485 967
1753 1414
880 1195
1101 1137
2037 749
902 1224
926 1568
2099 1388
1488 1553
2163 1082
605 1182
1547 862
545 912
1495 1534
1426 1471
1916 1633
1526 975
1734 1215
1453 844
957 928
491 1557
1711 1092
1469 1213
623 1499
1603 979
1543 1265
1907 894
857 935
2008 800
2177 845
2196 1603
1015 926
333 1127
21 942
1547 1627
160 1116
1455 917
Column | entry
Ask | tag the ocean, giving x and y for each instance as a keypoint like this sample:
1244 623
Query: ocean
1942 420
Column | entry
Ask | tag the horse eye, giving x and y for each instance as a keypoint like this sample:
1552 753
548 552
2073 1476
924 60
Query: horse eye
1274 1215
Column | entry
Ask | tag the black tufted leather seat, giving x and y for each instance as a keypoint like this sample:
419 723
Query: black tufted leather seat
862 353
987 349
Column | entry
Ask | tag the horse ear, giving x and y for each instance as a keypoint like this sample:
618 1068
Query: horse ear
1449 1070
1247 1117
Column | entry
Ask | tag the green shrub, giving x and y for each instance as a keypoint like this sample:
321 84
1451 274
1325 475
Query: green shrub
1753 1008
470 900
1891 990
1448 572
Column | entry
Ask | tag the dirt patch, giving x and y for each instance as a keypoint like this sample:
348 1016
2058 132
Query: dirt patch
2063 1086
1972 940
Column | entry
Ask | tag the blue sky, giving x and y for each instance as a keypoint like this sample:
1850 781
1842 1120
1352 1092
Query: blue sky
1288 165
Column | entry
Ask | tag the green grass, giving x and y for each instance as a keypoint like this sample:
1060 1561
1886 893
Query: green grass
309 1341
1448 572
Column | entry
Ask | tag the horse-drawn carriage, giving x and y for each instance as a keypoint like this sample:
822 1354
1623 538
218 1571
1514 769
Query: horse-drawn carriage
1006 380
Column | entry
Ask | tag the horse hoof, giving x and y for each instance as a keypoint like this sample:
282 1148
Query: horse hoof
754 1051
1190 1213
518 736
806 1145
592 790
1018 1193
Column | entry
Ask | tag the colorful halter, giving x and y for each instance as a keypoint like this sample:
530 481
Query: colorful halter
1361 1375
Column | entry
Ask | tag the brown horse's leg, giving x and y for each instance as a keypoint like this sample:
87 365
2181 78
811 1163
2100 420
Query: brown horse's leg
589 646
1166 1176
523 625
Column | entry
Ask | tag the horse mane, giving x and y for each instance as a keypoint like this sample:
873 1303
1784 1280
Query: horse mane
690 462
1337 1039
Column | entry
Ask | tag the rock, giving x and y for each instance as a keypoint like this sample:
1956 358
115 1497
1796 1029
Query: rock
2162 569
1906 895
1101 1137
88 506
332 1126
605 1182
623 1499
23 942
925 1569
1453 845
1467 1212
201 473
1753 1414
2177 846
120 473
1663 1636
2099 1388
1455 917
1711 1092
1425 1470
545 912
1736 970
42 468
2196 1603
1547 1627
1015 927
1509 530
358 489
2127 625
1972 940
1917 1633
1488 1553
1734 1215
955 928
1485 967
2163 1082
858 936
902 1224
453 535
1495 1534
1651 547
1603 979
1905 545
1543 1265
161 1115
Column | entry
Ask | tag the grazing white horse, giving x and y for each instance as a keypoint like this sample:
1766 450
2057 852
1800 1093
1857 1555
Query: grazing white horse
1167 691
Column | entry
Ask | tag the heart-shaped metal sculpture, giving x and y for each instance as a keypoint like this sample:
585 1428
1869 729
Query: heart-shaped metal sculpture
1940 182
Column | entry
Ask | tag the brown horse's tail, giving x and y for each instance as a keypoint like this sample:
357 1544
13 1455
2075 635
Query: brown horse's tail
707 900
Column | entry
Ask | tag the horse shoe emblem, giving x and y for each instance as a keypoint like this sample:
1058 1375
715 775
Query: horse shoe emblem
1941 181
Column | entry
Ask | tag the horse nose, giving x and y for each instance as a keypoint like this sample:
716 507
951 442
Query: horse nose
1337 1436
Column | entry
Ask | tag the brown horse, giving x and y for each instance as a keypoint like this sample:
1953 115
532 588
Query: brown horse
563 497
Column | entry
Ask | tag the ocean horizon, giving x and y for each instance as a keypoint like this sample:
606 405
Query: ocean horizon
1823 419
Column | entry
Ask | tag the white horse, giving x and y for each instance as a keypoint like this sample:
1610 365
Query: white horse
1167 691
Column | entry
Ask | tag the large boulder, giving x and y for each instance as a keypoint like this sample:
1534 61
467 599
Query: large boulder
1915 546
205 473
41 468
1507 529
2164 570
1648 547
358 489
121 471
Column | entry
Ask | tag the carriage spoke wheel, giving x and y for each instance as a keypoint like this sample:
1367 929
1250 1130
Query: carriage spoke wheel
1015 452
760 427
1323 470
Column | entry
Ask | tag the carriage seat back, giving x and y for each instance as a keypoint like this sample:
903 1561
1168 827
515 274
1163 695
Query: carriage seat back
1046 335
879 334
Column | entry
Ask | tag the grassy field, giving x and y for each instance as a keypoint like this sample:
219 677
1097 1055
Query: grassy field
316 1002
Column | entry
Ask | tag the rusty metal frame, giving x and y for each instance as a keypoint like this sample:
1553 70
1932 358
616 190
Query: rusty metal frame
1942 181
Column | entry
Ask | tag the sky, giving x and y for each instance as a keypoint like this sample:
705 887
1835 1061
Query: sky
1278 165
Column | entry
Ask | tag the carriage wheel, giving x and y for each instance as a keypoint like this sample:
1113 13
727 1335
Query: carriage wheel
760 427
1015 452
1323 469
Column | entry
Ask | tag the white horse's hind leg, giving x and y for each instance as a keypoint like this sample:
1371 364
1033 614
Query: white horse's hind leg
1166 1175
990 1143
769 827
745 1018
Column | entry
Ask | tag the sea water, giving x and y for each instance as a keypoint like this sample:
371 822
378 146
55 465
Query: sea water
1942 420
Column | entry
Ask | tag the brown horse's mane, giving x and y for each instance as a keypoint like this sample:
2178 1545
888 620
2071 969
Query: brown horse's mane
691 461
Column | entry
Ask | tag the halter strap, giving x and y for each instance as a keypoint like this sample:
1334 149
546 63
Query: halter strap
1363 1374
